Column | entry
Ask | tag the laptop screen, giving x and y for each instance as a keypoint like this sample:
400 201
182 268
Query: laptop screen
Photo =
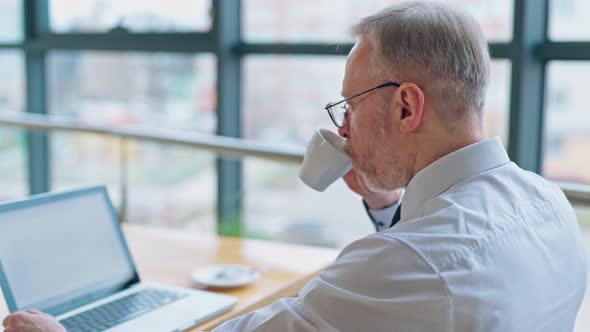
58 250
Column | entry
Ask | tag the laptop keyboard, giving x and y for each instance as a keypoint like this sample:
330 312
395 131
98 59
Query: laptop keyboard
120 310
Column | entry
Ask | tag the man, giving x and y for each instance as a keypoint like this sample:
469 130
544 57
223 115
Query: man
479 245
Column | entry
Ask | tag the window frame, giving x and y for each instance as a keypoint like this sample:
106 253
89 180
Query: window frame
528 51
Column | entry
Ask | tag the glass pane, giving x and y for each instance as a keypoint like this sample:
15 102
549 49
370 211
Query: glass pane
13 181
12 84
85 159
568 20
10 21
583 319
330 20
167 185
284 96
175 194
173 91
172 186
283 100
278 206
567 138
13 166
497 107
134 15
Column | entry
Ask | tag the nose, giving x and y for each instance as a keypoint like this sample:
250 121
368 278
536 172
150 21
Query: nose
344 131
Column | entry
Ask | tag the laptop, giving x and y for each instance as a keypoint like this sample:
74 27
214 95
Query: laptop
64 254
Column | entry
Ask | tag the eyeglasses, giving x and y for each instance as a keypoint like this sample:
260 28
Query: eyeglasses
338 110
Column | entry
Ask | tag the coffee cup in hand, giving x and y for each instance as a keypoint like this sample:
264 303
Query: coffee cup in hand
325 160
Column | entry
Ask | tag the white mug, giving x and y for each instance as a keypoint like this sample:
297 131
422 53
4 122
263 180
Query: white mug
325 160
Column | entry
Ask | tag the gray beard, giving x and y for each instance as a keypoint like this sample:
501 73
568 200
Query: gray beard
395 178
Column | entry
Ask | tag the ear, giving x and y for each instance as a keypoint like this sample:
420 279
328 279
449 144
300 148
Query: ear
411 99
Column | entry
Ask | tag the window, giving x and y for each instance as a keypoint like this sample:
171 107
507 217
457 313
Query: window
10 21
133 15
13 182
497 106
119 89
167 185
85 159
567 138
278 206
583 319
568 20
284 96
328 20
171 186
583 214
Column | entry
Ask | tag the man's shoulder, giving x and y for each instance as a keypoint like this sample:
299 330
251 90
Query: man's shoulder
384 252
502 207
508 182
380 265
378 244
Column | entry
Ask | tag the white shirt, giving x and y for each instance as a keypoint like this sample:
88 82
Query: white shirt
482 245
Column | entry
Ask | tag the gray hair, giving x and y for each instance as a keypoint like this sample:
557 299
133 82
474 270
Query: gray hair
426 38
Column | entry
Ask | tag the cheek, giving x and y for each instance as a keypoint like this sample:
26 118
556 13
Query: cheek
362 129
361 144
357 126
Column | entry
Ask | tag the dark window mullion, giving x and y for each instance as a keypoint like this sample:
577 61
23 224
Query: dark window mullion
564 51
191 42
226 28
528 84
36 22
498 50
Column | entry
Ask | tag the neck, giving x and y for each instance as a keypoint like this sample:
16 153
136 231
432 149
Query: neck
431 149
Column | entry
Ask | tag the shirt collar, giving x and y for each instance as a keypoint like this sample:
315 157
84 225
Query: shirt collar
449 170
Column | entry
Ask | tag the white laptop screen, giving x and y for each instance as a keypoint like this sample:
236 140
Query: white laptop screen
57 251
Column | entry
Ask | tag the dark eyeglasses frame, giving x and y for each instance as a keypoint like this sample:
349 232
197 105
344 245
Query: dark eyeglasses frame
329 106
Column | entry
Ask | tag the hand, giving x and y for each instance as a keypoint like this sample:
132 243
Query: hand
375 200
31 321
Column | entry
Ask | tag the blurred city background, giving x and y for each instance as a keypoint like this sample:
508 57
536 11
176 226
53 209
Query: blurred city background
282 102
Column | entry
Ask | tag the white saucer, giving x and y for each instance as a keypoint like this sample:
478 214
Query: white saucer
225 276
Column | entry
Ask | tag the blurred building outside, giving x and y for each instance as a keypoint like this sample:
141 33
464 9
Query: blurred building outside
283 98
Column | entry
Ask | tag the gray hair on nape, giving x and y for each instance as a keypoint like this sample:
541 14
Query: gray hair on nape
420 40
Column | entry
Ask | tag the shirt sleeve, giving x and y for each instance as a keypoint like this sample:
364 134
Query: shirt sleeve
382 218
376 284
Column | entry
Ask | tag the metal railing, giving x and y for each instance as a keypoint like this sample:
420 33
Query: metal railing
225 146
577 194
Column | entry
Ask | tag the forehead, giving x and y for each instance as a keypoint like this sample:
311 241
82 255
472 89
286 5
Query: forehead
356 72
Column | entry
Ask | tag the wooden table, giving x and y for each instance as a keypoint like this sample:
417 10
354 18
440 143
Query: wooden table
168 256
